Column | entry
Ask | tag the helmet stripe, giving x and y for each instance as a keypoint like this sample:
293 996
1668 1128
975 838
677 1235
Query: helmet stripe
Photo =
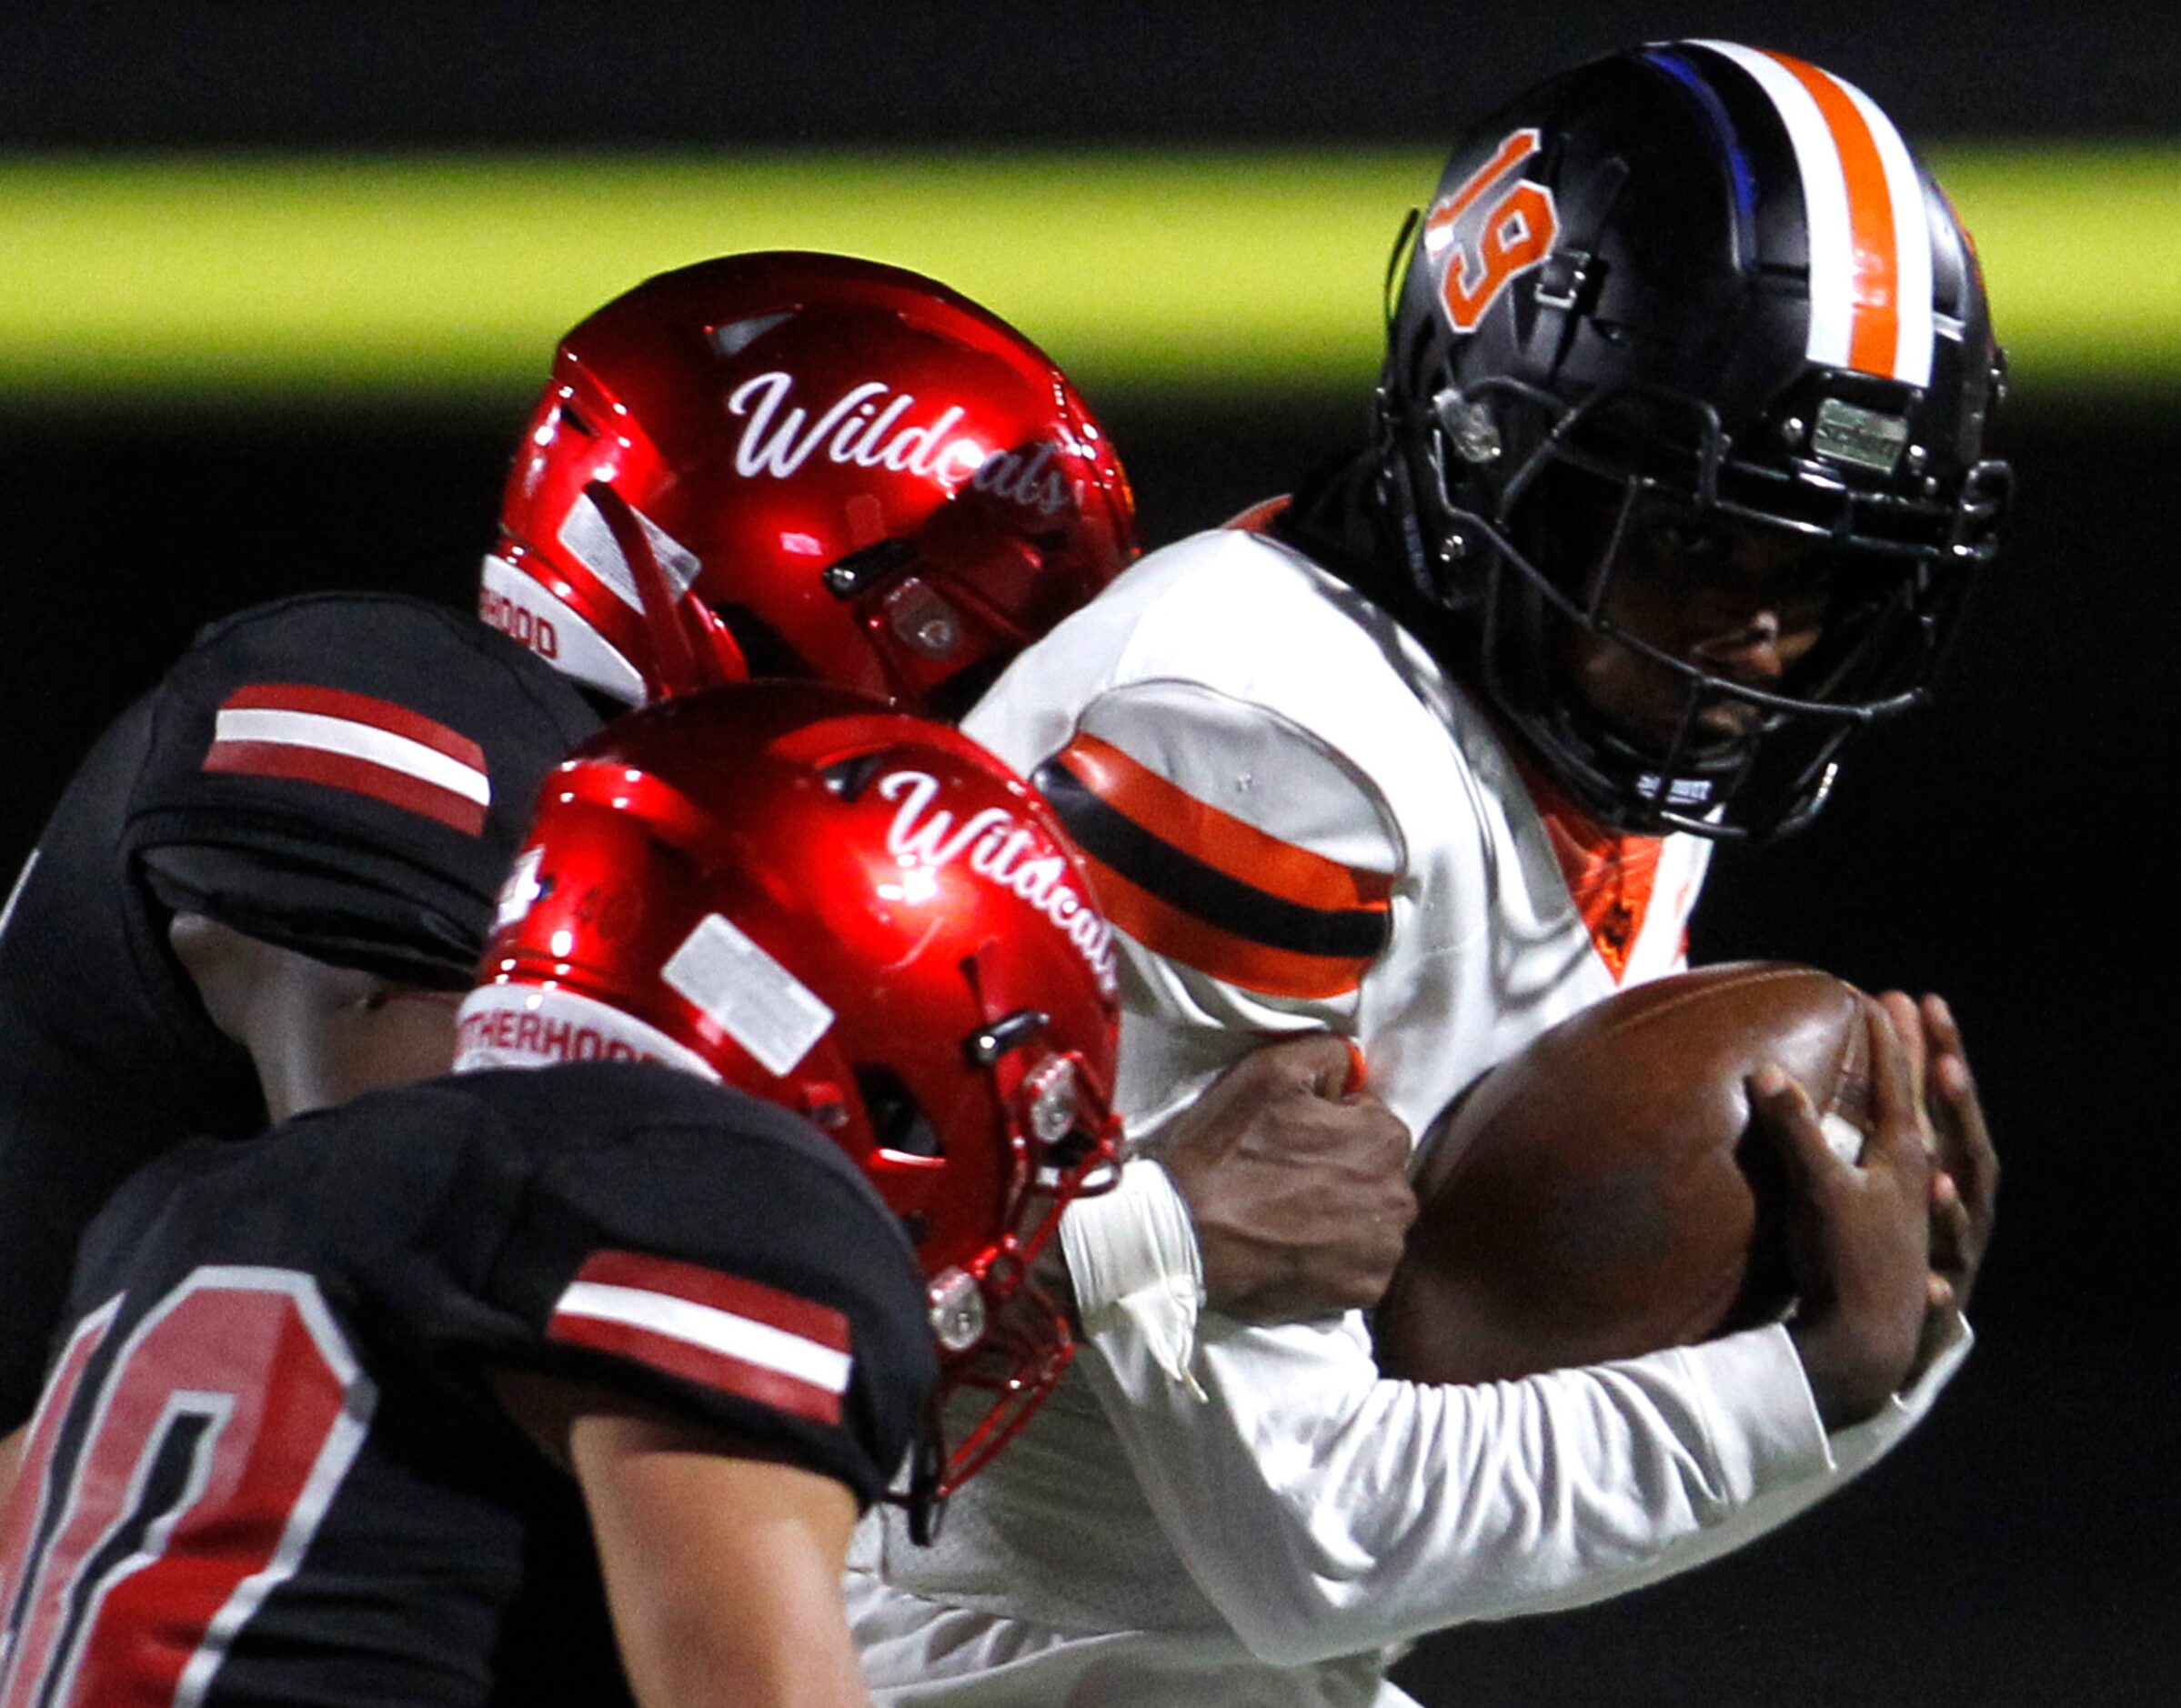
1874 273
1737 158
1869 242
1912 239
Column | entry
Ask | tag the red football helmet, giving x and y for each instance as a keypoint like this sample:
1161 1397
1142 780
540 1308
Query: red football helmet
864 477
859 915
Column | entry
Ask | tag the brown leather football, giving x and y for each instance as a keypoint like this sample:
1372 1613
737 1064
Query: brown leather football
1601 1194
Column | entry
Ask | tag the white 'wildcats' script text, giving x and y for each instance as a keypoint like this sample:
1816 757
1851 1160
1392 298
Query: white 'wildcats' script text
866 427
1017 857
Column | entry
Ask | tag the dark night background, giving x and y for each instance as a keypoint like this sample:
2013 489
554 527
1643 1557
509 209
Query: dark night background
2020 1548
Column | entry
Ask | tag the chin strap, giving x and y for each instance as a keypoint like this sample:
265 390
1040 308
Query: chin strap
925 1506
690 647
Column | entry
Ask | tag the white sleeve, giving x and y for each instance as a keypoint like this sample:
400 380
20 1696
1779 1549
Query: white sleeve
1325 1510
1855 1450
1134 1249
1245 865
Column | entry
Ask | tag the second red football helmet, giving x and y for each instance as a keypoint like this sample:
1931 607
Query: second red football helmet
862 916
867 478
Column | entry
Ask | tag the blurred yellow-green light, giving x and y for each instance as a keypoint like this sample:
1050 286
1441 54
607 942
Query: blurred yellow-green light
445 278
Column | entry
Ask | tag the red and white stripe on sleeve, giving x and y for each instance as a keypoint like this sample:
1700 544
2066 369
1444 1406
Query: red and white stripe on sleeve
707 1327
356 742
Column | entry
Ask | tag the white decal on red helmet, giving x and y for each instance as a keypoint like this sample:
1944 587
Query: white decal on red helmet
1026 478
518 604
747 994
585 535
1019 857
866 426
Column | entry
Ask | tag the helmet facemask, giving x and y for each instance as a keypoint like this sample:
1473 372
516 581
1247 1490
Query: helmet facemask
1004 1340
1536 525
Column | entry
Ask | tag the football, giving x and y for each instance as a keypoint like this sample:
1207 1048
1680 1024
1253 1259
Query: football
1602 1193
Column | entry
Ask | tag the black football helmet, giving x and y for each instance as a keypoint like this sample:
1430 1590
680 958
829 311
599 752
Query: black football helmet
1710 282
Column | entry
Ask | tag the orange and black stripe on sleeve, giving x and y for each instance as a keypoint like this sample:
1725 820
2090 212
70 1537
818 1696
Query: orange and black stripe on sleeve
1201 887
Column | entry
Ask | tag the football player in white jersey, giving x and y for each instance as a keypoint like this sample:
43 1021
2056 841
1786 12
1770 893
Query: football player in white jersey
1677 483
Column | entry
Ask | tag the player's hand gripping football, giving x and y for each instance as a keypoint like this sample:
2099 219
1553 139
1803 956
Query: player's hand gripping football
1298 1186
1858 1235
1965 1176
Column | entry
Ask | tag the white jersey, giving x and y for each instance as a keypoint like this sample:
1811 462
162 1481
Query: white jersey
1295 820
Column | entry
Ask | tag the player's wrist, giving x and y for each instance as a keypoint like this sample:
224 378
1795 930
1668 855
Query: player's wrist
1134 1240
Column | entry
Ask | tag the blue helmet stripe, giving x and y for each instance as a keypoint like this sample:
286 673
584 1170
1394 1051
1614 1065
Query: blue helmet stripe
1683 71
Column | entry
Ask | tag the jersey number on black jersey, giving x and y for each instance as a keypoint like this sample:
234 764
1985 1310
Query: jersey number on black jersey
168 1486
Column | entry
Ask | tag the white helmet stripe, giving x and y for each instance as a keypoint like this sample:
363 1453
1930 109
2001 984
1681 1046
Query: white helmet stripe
1870 238
586 537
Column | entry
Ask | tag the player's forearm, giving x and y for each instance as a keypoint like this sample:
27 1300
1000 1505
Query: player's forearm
691 1668
722 1572
1325 1511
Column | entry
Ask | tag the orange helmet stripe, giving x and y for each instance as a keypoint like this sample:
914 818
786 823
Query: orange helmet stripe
1874 338
1870 266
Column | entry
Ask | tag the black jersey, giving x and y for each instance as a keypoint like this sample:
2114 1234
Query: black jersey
269 1466
347 774
106 1057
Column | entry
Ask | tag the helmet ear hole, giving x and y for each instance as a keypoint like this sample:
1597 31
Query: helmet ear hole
767 649
898 1122
953 699
849 778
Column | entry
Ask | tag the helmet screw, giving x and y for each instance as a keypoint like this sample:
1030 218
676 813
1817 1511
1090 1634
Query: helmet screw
1791 431
1455 545
1053 1107
1476 435
1916 458
923 619
958 1317
935 636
